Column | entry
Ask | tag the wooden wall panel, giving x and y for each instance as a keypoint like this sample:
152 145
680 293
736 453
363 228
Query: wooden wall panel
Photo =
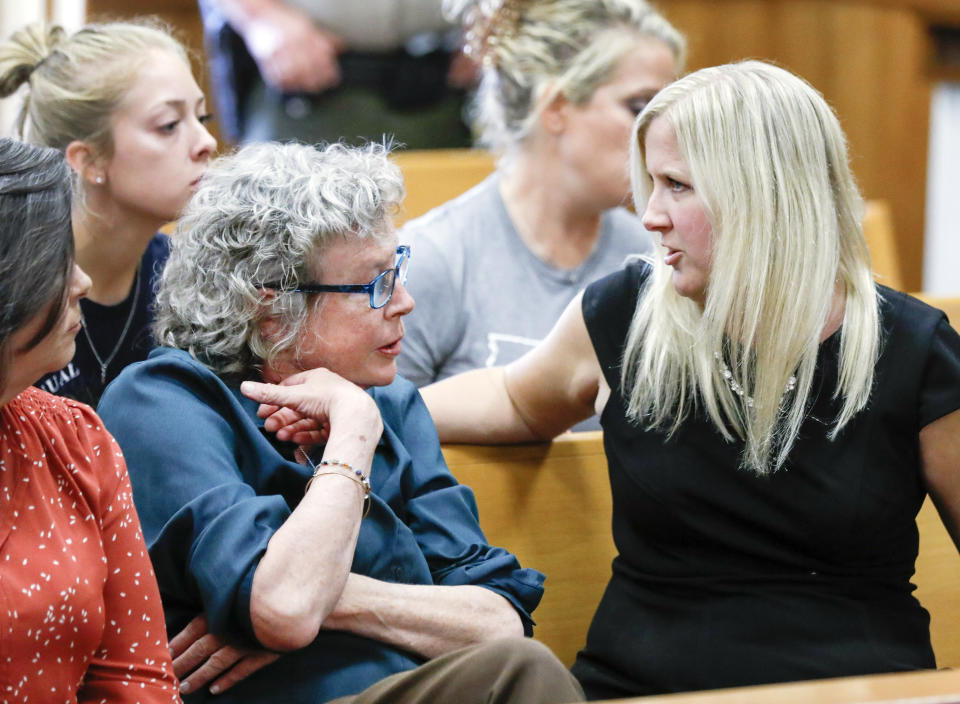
869 61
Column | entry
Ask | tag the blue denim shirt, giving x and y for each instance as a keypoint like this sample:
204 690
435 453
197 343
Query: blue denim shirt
211 487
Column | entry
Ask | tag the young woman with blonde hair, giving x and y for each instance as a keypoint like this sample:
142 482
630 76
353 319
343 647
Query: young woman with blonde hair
120 101
562 81
772 419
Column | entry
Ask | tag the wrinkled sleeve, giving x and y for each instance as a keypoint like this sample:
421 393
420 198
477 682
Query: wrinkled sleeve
184 436
133 650
940 390
436 326
442 514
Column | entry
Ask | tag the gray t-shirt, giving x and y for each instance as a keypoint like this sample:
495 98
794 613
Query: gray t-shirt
482 297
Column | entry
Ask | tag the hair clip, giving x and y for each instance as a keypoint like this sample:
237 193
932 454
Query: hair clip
487 22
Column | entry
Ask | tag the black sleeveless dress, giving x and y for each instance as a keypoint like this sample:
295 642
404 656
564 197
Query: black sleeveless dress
725 578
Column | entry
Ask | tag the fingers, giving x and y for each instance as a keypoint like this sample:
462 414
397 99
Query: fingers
267 409
312 437
194 630
286 431
243 669
294 379
214 665
270 394
284 418
207 658
195 654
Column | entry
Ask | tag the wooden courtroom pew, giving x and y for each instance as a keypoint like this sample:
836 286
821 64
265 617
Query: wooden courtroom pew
550 504
927 687
878 231
434 176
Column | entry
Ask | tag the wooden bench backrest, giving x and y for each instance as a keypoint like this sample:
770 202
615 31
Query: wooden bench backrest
923 687
550 504
878 231
434 176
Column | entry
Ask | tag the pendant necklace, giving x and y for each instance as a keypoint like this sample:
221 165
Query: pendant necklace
738 390
104 363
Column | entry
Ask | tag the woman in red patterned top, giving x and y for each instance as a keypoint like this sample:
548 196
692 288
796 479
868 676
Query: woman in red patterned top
80 614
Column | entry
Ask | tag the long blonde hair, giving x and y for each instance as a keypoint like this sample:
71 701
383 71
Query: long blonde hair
768 160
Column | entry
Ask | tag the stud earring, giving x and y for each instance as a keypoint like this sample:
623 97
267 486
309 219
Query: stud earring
99 180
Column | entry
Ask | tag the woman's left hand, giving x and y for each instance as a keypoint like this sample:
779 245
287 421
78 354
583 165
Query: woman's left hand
199 657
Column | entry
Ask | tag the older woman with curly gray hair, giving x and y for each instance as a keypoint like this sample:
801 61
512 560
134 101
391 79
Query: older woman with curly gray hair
304 518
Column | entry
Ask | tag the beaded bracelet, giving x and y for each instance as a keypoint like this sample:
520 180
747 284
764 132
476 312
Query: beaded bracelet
345 470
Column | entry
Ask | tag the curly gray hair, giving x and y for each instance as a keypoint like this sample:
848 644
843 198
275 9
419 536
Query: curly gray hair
262 214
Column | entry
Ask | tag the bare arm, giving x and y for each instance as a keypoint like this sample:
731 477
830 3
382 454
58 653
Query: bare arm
940 455
423 618
300 576
537 397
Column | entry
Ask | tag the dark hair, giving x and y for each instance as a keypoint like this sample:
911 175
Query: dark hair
36 240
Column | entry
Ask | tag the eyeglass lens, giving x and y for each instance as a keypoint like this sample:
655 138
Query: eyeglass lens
383 290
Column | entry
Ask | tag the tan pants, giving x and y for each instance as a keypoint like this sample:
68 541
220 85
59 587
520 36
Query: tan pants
508 671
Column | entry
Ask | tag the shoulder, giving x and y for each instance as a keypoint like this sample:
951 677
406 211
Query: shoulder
71 431
56 410
609 303
907 317
155 256
166 375
619 287
169 360
158 249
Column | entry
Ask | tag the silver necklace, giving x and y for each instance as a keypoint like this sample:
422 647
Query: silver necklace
738 390
104 363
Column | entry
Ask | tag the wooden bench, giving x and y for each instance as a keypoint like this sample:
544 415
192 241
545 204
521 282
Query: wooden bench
550 504
434 176
925 687
878 231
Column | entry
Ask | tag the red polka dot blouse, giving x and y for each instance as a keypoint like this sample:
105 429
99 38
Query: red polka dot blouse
80 613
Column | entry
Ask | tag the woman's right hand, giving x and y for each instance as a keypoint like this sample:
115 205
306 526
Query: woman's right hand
315 406
199 658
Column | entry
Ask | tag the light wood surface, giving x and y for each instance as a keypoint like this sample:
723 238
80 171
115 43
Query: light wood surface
927 687
434 176
550 505
878 231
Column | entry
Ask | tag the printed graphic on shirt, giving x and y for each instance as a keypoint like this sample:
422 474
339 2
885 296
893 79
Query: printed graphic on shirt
54 382
507 347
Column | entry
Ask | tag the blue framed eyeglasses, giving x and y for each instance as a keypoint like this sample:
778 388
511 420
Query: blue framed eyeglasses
380 289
